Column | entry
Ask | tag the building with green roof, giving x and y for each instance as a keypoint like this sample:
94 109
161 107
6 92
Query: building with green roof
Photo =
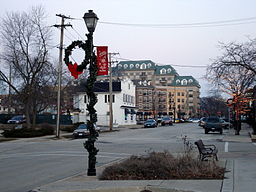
171 94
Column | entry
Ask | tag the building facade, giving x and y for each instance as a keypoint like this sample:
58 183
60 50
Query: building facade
124 103
160 90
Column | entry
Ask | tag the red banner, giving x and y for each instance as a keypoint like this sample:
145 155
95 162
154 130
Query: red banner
102 60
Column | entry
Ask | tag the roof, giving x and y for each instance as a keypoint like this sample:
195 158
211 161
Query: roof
136 65
185 81
143 84
101 87
165 70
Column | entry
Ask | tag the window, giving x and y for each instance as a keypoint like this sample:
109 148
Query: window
106 98
124 98
178 94
182 94
163 71
184 82
143 66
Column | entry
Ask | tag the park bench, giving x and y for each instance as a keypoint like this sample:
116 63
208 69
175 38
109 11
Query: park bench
206 151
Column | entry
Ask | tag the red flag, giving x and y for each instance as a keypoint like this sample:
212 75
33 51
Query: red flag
102 60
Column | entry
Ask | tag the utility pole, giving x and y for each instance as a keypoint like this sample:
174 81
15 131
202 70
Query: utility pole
111 91
62 26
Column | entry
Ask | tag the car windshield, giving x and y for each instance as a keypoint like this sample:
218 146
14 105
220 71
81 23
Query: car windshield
166 118
17 118
150 120
82 126
213 120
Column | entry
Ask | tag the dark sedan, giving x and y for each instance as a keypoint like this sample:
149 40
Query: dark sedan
150 123
166 121
83 131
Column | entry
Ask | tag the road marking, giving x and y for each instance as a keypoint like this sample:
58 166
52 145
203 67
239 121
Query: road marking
64 153
226 146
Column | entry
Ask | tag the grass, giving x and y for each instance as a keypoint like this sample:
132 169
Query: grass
163 166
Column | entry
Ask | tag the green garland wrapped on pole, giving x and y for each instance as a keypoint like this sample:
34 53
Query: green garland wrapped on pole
75 69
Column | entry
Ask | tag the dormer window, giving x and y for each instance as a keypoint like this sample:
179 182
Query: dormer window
184 82
177 81
169 70
163 71
143 66
131 66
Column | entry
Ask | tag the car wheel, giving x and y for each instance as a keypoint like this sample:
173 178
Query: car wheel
206 131
221 131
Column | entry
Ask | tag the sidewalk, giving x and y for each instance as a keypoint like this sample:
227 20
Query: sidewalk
240 177
241 164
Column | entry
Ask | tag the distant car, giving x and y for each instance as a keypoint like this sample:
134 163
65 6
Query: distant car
159 120
177 120
194 120
150 123
17 119
213 124
226 124
82 131
166 121
201 122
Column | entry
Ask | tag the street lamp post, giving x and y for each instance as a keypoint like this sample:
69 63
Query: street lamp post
91 19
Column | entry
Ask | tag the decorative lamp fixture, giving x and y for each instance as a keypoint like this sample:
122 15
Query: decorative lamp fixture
90 20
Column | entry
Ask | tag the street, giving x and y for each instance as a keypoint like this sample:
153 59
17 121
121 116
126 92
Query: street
28 163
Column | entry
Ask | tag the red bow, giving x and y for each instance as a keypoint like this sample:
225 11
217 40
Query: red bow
73 70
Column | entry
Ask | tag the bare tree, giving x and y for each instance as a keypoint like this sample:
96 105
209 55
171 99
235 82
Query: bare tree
25 40
235 70
214 105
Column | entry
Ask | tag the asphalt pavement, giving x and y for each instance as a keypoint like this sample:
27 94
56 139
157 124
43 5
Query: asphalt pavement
240 175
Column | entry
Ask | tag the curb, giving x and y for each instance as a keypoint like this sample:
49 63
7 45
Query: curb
228 181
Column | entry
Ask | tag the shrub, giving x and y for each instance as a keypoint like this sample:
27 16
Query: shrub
44 129
162 165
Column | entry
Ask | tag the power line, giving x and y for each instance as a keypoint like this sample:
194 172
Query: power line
190 25
176 65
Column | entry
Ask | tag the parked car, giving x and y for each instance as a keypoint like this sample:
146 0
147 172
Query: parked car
201 122
226 124
159 120
17 119
177 120
166 121
213 124
193 120
150 123
82 131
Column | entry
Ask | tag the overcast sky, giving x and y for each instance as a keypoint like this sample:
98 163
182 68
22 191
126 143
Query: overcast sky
170 43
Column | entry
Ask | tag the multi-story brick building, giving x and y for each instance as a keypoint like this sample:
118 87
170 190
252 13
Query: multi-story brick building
159 89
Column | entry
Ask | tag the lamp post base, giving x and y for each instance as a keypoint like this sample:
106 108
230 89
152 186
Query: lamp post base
91 172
